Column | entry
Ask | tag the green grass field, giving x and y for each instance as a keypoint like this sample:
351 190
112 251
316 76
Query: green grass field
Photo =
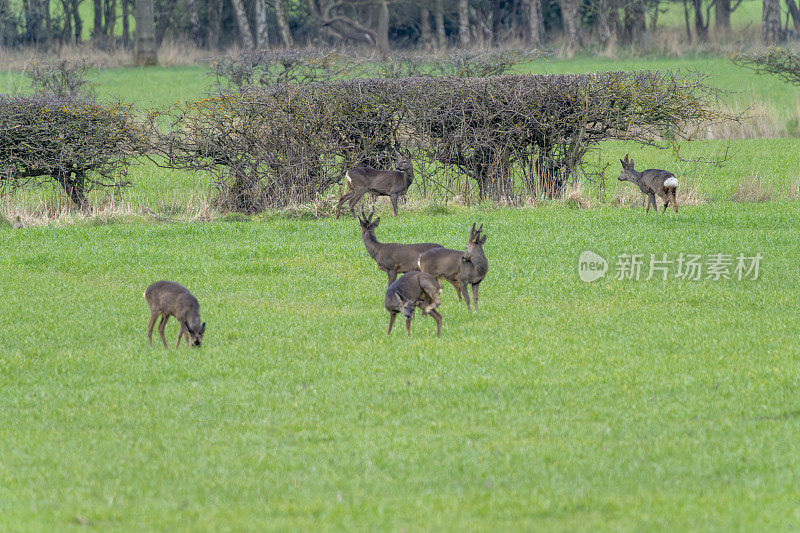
560 405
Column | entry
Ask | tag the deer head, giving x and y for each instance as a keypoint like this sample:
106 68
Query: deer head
628 172
476 240
367 224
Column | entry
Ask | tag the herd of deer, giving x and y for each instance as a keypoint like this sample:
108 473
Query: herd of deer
423 265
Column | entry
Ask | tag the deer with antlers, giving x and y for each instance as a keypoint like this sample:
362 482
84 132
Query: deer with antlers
459 268
392 258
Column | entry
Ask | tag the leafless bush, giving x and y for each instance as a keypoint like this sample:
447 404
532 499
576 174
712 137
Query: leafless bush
274 67
79 144
62 78
516 137
775 60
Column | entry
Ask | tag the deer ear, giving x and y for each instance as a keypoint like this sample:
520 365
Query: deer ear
482 240
203 328
631 163
399 299
376 222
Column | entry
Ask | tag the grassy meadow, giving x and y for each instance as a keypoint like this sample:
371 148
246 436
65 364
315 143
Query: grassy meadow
560 405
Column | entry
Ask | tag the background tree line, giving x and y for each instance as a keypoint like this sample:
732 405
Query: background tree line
382 24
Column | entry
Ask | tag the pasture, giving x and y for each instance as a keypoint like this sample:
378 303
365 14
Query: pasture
619 404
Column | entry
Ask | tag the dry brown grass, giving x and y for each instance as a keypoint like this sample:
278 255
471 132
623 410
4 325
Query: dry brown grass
170 54
752 190
688 194
577 198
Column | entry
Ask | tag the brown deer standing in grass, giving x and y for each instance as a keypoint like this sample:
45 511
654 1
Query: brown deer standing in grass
167 298
414 289
391 183
651 182
459 268
391 257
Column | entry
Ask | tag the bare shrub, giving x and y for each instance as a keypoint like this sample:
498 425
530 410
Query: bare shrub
781 62
63 78
274 67
79 144
515 137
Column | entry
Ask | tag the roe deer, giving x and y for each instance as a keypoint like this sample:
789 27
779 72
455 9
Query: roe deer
459 268
651 182
391 183
167 298
415 289
391 257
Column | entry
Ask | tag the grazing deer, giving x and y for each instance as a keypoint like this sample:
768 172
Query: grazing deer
391 257
167 298
459 268
651 182
391 183
415 289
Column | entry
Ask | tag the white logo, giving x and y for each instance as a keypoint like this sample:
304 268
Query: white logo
591 266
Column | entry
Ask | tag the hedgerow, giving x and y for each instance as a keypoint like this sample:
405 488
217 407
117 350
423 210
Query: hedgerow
512 136
78 144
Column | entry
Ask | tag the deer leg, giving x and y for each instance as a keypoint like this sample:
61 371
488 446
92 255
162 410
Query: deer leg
675 200
392 275
466 296
354 200
346 196
180 336
161 326
475 295
408 327
437 316
392 316
393 198
153 317
457 286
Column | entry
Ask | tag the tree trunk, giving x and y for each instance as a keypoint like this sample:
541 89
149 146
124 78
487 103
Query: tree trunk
496 20
722 15
145 34
463 23
383 27
262 34
35 21
792 7
426 37
97 29
438 17
700 26
242 24
603 27
76 16
283 26
194 22
110 24
126 26
635 25
771 22
66 34
75 187
572 24
535 24
163 21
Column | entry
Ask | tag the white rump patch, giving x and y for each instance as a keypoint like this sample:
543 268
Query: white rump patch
349 179
144 294
440 291
671 182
